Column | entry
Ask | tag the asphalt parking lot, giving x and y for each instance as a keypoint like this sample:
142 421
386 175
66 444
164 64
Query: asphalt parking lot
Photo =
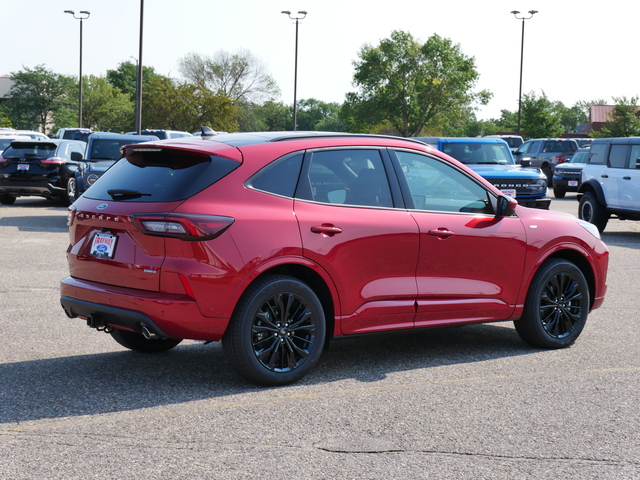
467 403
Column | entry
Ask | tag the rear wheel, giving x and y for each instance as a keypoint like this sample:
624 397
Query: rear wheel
556 307
72 191
592 211
7 200
277 332
136 341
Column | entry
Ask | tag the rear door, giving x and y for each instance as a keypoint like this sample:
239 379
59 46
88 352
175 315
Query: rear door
351 226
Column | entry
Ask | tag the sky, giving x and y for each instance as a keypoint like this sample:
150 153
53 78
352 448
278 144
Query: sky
573 50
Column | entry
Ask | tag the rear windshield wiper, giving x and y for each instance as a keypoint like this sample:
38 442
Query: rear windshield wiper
125 194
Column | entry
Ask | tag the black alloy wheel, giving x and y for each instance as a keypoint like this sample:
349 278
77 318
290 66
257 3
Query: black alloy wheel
556 307
277 333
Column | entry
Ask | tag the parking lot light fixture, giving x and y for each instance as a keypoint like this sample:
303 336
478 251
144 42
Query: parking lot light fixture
82 15
523 18
300 15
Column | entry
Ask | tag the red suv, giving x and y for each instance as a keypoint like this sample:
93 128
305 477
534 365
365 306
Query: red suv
274 243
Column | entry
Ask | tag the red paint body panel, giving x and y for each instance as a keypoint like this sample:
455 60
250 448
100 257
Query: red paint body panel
383 268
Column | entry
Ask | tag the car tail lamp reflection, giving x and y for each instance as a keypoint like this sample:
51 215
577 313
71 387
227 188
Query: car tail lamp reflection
53 160
191 227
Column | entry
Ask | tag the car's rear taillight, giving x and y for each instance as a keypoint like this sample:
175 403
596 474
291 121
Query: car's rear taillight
71 215
53 160
560 159
182 226
2 159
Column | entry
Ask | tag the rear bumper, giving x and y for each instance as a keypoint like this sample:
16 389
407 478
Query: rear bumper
26 189
163 314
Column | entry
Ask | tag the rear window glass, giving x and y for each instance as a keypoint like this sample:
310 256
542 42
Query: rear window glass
107 149
164 176
279 178
30 149
556 146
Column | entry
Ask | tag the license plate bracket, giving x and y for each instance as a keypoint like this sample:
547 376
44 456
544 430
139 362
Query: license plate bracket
103 245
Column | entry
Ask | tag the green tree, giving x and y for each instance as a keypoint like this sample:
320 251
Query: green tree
409 84
37 95
313 113
239 76
187 107
624 119
270 116
539 117
125 78
104 107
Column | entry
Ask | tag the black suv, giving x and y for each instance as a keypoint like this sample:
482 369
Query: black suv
611 181
38 168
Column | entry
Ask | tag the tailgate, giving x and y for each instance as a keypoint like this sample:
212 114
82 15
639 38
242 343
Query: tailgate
109 240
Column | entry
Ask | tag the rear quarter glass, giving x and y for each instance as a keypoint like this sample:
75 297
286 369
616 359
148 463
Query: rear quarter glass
161 176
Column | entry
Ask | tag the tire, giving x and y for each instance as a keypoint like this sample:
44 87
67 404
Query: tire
277 333
137 342
546 169
556 307
559 192
7 199
592 211
72 191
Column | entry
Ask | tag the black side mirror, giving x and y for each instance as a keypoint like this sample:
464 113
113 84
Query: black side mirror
506 206
76 156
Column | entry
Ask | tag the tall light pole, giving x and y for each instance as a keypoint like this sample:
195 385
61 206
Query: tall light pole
301 15
523 18
82 15
138 119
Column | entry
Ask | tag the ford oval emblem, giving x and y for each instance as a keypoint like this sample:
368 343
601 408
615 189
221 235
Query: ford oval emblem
102 206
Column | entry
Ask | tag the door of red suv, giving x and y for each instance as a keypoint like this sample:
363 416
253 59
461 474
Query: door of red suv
470 263
349 228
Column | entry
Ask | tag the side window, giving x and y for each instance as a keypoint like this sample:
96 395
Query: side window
634 157
279 177
535 146
524 148
618 156
348 177
596 153
437 186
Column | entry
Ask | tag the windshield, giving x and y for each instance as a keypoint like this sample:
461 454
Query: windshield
477 153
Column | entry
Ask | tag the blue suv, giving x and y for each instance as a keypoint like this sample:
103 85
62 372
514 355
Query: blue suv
493 160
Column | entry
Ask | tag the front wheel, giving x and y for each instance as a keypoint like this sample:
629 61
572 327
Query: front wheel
556 306
548 171
277 333
559 192
592 211
136 341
